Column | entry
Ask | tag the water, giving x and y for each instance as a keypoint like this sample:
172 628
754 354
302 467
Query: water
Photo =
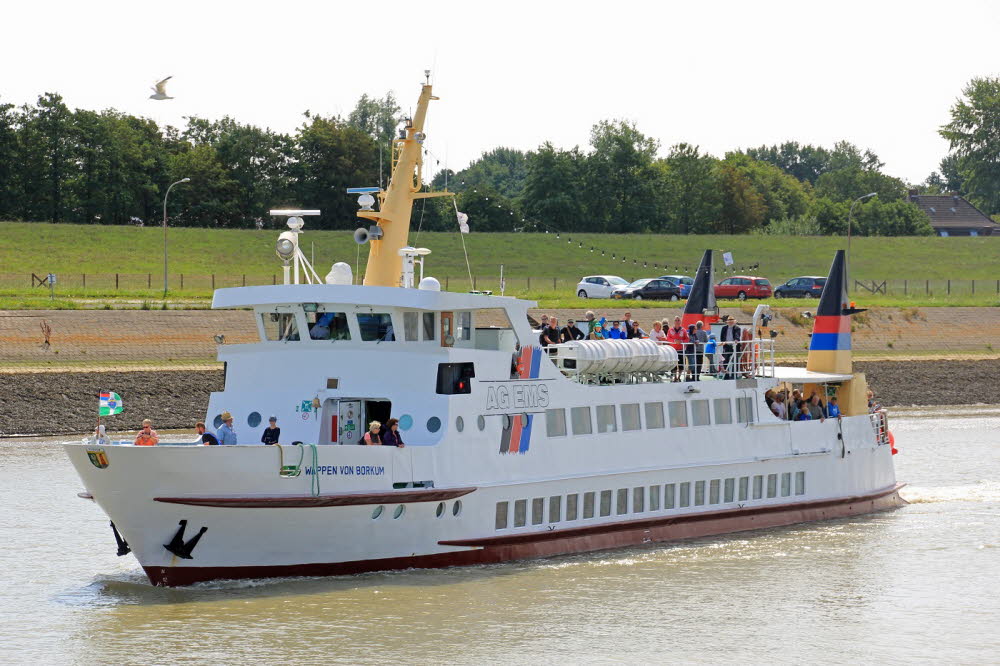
919 584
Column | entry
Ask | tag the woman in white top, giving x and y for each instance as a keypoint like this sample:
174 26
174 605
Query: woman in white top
657 335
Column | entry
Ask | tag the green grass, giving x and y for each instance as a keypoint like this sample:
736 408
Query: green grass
136 255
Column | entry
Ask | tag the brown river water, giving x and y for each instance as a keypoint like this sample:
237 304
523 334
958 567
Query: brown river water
919 584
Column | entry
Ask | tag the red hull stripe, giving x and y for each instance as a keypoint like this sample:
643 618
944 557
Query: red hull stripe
618 535
832 324
306 501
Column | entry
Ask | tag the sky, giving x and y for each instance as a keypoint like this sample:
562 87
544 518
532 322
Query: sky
720 75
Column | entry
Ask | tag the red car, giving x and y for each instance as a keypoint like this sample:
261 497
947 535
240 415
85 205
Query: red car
743 287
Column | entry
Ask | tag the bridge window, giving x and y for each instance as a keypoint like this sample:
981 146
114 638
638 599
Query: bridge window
376 327
464 326
744 410
654 415
606 421
280 326
678 414
325 325
723 411
555 422
582 424
411 332
630 417
700 413
428 321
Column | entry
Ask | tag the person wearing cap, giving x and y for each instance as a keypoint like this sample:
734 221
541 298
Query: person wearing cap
226 434
272 432
570 332
728 338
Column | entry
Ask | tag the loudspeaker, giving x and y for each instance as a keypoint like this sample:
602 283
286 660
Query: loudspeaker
361 236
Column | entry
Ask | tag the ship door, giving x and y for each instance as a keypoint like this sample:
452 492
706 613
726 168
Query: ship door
447 329
351 422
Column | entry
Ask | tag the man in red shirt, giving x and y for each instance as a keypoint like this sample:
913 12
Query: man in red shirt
677 337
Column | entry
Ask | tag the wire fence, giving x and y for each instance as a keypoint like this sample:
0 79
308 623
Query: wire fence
181 282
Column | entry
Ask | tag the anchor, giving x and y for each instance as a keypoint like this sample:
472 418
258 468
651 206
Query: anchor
178 547
123 547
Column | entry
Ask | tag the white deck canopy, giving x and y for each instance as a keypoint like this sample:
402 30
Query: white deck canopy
240 297
803 376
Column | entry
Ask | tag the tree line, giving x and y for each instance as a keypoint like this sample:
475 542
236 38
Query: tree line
108 167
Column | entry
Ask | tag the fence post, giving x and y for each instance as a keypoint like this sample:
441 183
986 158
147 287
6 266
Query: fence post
84 280
446 283
949 287
553 284
244 279
274 278
213 281
116 281
149 280
182 280
473 283
904 288
973 287
529 285
927 288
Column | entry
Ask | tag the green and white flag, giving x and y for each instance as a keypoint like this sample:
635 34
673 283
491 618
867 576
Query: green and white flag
110 404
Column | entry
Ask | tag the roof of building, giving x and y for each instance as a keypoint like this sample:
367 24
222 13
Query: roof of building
952 212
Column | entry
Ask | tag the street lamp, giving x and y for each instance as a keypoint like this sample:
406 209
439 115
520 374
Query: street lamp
850 216
182 180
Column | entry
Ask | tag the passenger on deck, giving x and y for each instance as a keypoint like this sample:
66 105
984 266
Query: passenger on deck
769 397
833 409
802 413
677 336
730 336
816 411
372 437
204 437
793 407
691 353
225 433
272 432
657 335
710 353
616 332
873 404
778 406
100 435
392 436
147 436
699 350
544 322
570 332
630 328
550 333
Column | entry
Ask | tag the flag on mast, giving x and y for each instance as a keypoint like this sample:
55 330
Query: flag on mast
110 404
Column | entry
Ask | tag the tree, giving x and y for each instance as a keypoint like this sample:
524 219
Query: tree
502 170
743 208
802 161
209 199
974 137
378 118
873 218
693 193
553 189
851 182
45 147
623 188
8 164
488 211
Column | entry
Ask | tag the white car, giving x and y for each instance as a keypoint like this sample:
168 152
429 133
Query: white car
599 286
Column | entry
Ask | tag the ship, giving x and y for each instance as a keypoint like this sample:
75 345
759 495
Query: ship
511 451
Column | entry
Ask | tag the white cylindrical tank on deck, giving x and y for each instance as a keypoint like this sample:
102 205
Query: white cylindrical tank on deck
614 356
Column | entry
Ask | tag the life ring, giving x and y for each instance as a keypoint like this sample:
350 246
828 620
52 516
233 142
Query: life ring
892 443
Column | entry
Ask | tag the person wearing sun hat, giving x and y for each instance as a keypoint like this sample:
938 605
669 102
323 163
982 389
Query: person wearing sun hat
226 434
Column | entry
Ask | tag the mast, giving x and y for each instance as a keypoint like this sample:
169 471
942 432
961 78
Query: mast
385 265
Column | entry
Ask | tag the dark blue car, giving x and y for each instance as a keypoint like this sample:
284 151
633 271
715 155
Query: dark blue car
801 287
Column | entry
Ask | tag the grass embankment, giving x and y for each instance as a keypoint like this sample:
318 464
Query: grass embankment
531 263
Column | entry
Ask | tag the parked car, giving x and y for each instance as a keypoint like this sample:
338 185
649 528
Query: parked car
801 287
742 287
683 281
599 286
649 288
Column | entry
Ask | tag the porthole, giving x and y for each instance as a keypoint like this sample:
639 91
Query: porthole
459 423
398 513
481 422
524 420
440 510
405 422
254 419
456 508
217 421
506 422
377 511
433 424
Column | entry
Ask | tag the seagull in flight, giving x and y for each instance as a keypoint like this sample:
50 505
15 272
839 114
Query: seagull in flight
160 89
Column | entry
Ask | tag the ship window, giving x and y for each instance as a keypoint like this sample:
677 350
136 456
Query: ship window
744 488
254 419
376 326
669 496
621 506
398 513
800 483
520 512
456 508
555 508
433 424
713 491
606 421
786 484
325 325
654 498
555 422
758 486
684 498
588 505
280 326
638 497
699 493
464 326
605 503
729 493
439 511
723 411
410 331
654 415
377 511
572 502
772 485
744 410
481 422
700 413
582 425
428 319
537 510
630 417
678 414
459 423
